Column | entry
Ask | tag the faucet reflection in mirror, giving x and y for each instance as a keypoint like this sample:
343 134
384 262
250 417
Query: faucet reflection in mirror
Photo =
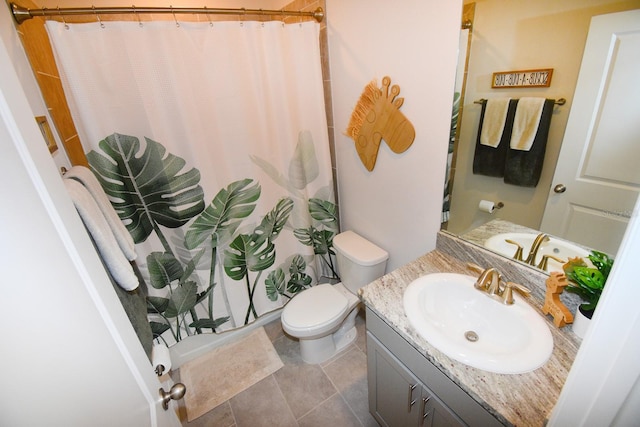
526 245
533 252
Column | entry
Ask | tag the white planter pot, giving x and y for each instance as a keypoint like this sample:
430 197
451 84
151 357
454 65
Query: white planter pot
581 324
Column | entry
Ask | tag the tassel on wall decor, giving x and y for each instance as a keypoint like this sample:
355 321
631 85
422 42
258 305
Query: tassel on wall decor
377 116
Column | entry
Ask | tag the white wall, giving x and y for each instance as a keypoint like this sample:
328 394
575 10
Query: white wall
414 42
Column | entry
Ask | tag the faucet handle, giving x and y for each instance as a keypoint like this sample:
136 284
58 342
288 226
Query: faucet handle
507 295
518 255
475 267
545 259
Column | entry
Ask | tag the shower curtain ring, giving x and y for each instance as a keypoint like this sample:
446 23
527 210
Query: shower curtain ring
97 16
208 16
135 12
174 17
66 26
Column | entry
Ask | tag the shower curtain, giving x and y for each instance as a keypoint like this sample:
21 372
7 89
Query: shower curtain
211 141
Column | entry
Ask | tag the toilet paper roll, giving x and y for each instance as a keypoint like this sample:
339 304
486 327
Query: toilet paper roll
160 358
486 206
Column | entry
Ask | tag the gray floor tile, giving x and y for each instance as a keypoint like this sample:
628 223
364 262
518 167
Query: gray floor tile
220 416
333 412
357 397
289 350
304 387
333 393
262 405
274 329
344 351
348 369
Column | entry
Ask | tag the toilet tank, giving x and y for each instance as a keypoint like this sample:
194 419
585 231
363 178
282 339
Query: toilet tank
360 262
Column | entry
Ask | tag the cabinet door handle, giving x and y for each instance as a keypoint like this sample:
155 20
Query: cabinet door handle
423 407
411 401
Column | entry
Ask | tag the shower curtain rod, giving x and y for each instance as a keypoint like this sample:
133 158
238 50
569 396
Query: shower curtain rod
21 14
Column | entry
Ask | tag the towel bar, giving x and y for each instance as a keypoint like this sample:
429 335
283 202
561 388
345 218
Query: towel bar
560 101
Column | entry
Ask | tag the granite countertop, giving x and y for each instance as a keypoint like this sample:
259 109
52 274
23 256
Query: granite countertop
514 399
496 226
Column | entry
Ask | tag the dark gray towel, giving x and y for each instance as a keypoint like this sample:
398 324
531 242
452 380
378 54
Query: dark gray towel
523 168
490 161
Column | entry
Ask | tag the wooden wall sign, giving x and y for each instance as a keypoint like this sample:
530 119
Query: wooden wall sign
524 78
376 116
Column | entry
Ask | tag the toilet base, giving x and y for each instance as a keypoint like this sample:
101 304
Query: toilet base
324 348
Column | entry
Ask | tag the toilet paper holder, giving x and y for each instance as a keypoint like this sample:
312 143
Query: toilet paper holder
160 358
489 206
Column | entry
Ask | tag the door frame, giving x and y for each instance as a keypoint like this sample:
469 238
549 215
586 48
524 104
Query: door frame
27 146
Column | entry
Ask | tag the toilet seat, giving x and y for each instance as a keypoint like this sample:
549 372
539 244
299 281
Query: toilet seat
314 309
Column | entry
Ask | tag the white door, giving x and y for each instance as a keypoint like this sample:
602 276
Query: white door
599 163
69 356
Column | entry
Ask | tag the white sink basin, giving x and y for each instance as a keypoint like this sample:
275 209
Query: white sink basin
556 247
469 326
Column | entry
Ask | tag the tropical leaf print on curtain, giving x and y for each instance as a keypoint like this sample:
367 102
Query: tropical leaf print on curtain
208 119
146 188
255 252
303 169
151 188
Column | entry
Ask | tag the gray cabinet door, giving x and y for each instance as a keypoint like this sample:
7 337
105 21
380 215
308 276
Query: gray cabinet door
394 392
435 413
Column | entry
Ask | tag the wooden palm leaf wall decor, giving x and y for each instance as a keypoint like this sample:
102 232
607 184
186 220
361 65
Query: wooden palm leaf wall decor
376 117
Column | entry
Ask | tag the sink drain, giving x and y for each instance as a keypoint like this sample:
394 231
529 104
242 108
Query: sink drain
471 336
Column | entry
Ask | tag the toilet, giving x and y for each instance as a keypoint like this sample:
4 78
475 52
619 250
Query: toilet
323 316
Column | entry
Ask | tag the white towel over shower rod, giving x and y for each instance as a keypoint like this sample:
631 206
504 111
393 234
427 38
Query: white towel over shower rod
21 14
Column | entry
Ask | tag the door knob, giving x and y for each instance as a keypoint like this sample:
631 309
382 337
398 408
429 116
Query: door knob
560 188
176 393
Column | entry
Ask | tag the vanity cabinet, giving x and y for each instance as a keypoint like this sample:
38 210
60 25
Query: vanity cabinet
405 389
397 398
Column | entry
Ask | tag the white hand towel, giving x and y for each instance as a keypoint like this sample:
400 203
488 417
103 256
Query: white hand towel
97 225
525 123
89 180
495 114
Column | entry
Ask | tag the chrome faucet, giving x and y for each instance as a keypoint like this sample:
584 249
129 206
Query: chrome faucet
490 281
535 247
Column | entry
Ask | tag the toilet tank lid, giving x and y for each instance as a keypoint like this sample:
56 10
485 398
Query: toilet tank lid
358 249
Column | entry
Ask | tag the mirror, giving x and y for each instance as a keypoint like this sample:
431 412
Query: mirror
505 36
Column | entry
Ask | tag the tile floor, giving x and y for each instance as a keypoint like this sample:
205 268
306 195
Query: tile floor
333 393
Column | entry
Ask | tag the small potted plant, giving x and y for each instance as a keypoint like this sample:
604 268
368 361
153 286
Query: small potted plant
587 282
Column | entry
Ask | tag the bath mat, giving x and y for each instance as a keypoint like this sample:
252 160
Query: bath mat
217 376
